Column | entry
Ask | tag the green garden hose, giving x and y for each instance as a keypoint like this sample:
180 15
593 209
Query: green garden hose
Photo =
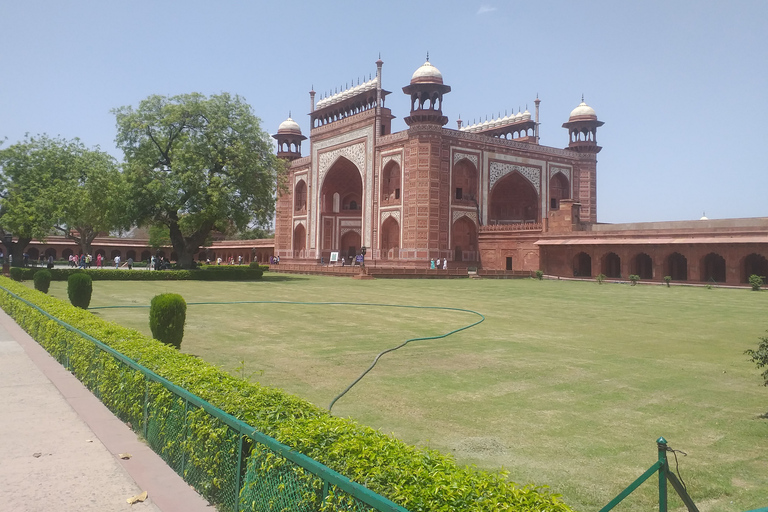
376 359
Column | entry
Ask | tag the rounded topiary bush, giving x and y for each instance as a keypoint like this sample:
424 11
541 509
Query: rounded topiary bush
42 280
17 273
80 289
167 314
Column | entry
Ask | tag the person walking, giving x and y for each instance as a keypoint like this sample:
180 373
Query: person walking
117 261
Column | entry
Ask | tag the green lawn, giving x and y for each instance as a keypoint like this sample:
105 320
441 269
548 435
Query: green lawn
566 384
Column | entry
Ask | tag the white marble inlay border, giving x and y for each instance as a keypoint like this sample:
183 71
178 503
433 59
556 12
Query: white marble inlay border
457 214
532 174
472 158
354 153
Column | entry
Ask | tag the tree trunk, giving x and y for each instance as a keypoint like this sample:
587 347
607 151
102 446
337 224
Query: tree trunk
187 247
17 250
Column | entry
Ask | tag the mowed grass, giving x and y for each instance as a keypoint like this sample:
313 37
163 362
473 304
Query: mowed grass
566 384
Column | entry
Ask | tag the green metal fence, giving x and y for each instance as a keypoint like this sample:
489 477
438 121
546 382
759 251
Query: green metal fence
223 458
661 466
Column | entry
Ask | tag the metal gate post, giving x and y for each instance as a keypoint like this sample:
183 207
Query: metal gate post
661 443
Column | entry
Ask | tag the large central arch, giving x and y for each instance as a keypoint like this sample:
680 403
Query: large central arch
341 206
513 199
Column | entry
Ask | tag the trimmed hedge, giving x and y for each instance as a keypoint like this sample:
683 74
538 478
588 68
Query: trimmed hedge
42 280
167 314
80 290
228 273
419 479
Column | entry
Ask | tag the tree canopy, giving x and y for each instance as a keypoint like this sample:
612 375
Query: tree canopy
196 163
52 183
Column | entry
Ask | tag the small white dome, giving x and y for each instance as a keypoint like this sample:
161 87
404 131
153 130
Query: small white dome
526 115
583 110
289 125
427 73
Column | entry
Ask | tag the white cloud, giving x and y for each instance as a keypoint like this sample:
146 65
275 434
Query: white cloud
485 8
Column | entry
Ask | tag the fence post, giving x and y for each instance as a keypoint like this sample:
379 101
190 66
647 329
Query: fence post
661 443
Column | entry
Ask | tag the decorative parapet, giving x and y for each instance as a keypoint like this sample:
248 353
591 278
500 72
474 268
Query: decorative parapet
518 226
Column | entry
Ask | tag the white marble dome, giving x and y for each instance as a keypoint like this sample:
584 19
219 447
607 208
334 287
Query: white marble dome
583 111
289 126
427 73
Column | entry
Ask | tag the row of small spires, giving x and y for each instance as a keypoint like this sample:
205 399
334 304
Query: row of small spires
498 121
346 93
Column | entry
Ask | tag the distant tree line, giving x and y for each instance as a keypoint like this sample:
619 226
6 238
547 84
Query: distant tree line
192 165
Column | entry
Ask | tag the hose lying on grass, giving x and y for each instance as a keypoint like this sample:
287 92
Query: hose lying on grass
376 359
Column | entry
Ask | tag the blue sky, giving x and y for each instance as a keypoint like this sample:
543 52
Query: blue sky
682 86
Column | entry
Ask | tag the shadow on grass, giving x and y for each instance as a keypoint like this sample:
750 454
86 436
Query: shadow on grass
283 278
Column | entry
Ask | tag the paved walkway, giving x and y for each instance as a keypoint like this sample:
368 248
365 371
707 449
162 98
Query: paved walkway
59 444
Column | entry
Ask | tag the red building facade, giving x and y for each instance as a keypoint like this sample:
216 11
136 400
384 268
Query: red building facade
486 195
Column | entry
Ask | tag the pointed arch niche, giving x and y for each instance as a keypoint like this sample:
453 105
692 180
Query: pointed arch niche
341 201
299 240
390 239
464 239
514 200
300 197
390 184
465 183
559 189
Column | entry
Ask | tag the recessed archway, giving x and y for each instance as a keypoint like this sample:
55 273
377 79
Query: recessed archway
465 182
299 241
300 197
390 239
559 188
643 266
350 245
464 237
390 183
754 264
582 265
713 268
611 265
676 267
513 200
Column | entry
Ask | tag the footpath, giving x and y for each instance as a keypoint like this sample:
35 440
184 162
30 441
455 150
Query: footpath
60 446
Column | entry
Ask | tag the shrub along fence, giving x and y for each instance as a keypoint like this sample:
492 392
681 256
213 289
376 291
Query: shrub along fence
248 447
224 273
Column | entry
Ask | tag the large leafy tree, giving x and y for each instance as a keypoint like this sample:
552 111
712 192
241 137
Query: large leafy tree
30 172
195 164
93 200
49 184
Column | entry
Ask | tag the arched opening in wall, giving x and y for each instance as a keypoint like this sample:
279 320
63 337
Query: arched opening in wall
146 256
50 252
713 268
350 245
34 253
754 264
514 200
66 253
582 265
559 188
465 183
390 183
643 266
115 252
611 265
676 267
341 196
390 239
102 252
464 237
131 254
300 197
299 241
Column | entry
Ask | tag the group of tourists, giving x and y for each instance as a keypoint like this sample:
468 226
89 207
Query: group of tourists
274 260
436 264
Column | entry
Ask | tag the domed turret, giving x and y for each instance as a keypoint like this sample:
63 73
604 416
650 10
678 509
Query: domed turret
583 113
427 74
289 126
289 139
582 128
426 90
